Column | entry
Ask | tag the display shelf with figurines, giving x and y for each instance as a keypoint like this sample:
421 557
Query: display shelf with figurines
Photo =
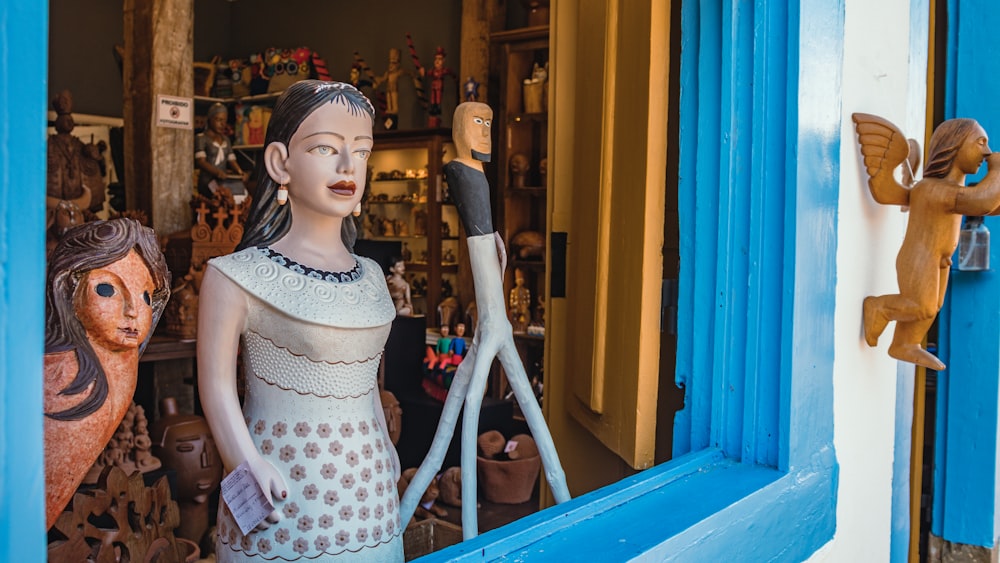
406 202
521 124
522 129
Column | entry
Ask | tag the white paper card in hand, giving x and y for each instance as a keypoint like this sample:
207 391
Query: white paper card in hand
245 499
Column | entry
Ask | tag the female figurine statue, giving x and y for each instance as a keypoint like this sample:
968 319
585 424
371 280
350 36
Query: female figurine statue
107 284
399 288
313 319
937 203
493 337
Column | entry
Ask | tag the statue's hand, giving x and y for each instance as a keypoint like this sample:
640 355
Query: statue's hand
501 252
273 485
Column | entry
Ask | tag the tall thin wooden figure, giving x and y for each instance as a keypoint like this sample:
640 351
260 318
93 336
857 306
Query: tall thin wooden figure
493 338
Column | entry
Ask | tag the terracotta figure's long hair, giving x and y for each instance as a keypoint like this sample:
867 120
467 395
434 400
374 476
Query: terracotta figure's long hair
944 145
267 221
84 248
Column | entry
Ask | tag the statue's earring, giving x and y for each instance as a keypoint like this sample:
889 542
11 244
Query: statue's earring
357 210
282 194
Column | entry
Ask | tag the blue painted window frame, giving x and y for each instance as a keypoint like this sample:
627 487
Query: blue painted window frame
755 473
760 475
23 106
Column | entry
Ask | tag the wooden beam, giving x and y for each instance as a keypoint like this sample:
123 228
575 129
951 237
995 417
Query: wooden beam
158 59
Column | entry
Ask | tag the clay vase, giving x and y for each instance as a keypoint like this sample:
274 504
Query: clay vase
184 443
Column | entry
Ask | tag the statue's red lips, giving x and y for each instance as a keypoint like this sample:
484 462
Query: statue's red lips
343 188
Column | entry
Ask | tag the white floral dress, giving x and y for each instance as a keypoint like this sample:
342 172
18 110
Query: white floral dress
312 345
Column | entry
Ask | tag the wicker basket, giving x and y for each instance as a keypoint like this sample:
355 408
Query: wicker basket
428 536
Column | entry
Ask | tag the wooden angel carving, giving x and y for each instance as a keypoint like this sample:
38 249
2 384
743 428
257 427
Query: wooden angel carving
936 203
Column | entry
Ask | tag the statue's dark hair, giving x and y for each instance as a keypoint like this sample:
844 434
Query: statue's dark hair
81 249
944 144
267 221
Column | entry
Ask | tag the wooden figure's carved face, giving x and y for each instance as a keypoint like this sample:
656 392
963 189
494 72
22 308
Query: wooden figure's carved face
113 304
473 121
973 151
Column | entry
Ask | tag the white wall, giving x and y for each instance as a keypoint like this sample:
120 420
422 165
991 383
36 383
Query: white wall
883 77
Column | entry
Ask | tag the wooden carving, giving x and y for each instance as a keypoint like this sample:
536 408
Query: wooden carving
936 203
218 227
494 338
120 520
217 230
129 449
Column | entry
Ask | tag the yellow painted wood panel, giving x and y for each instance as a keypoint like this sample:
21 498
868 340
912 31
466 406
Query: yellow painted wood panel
608 161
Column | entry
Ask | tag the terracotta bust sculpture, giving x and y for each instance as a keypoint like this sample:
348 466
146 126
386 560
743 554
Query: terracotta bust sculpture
936 203
184 443
518 169
493 338
312 319
107 284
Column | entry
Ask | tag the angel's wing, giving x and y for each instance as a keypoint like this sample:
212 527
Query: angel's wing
884 147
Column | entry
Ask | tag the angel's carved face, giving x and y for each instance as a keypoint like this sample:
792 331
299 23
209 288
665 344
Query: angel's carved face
113 304
973 151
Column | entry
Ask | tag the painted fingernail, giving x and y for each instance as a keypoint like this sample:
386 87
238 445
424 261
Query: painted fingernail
284 494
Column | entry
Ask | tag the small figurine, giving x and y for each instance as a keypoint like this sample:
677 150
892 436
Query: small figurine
520 299
937 202
471 90
439 356
67 194
213 153
399 288
437 72
458 345
391 80
439 365
427 507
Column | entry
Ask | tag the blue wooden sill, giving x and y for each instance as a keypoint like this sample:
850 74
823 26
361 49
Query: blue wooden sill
700 507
